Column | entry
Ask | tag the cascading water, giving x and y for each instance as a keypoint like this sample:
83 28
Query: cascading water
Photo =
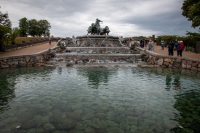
97 50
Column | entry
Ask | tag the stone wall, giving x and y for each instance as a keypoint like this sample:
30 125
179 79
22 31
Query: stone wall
101 50
170 61
27 60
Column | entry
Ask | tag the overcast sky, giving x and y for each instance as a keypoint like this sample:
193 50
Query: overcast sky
123 17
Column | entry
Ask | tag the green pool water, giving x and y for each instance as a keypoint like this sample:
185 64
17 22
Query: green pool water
99 100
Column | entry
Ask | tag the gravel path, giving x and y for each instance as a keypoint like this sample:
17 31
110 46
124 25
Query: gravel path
28 50
157 49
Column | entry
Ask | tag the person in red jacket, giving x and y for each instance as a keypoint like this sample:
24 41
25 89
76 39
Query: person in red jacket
181 48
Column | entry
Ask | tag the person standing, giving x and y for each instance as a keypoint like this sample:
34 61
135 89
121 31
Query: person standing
177 45
181 48
162 44
150 45
142 43
49 41
171 48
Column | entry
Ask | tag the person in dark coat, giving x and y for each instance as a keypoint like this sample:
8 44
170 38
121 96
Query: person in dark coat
171 48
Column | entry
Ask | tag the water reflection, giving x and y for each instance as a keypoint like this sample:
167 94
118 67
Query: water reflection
187 98
6 91
177 83
188 104
168 82
97 76
59 70
8 81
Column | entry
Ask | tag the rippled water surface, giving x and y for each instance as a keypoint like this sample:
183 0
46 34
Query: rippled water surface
99 100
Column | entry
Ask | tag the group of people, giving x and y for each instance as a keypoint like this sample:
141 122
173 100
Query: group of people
145 42
173 45
178 45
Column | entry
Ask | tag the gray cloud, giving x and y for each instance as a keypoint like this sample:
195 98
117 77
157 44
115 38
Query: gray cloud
126 18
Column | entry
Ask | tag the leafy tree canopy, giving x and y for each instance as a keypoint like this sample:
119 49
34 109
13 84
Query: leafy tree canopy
4 19
34 27
23 27
5 24
191 10
5 28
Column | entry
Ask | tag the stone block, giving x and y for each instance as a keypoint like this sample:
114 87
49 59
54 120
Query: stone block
39 58
23 59
4 63
4 66
178 60
22 64
189 64
40 64
184 64
27 59
149 59
46 56
13 63
194 68
160 62
167 60
29 64
166 63
33 59
177 64
195 64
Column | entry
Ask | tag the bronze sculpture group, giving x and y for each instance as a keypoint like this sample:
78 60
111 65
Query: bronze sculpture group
95 29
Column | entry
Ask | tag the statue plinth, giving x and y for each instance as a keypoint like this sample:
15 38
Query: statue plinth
98 41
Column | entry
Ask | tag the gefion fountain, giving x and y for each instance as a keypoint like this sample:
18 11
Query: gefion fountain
96 48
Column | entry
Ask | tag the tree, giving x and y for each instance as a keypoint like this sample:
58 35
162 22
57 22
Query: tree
14 34
23 27
33 28
44 27
5 28
191 10
38 28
